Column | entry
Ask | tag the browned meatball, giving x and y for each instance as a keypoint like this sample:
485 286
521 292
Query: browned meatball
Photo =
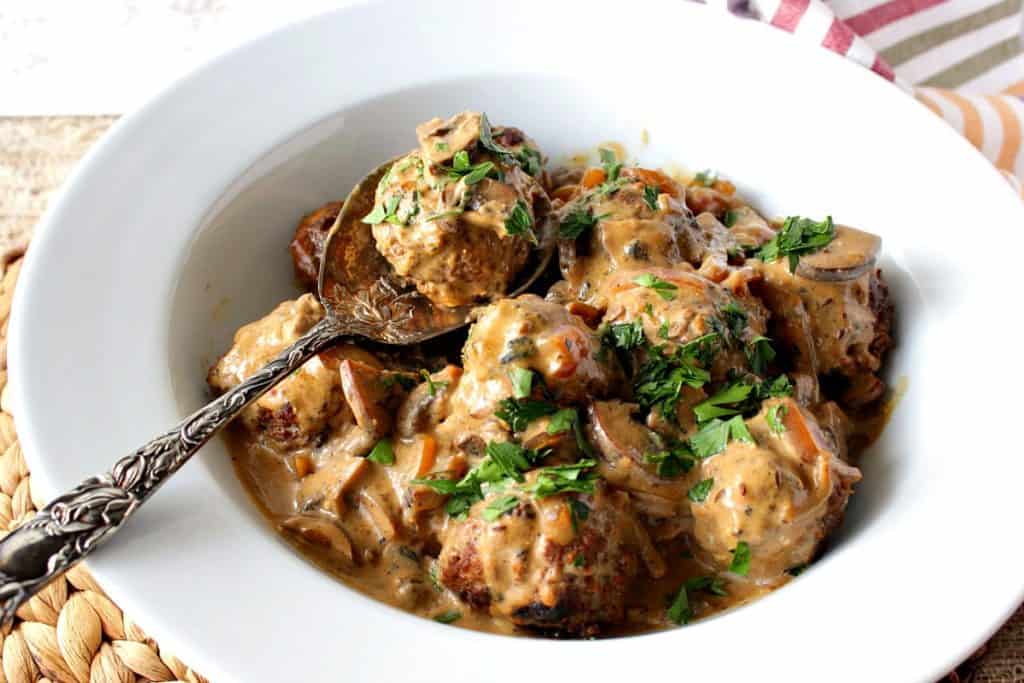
308 244
544 565
304 406
530 333
677 306
456 217
781 494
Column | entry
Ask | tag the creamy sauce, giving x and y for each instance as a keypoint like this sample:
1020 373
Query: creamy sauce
336 456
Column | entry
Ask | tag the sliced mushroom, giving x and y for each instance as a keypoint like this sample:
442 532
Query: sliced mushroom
427 404
850 254
377 515
327 486
366 395
440 139
617 435
320 532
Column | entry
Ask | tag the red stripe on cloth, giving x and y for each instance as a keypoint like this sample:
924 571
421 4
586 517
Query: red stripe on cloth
886 13
789 13
882 68
839 37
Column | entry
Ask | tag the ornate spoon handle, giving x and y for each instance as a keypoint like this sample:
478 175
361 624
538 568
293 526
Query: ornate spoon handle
72 525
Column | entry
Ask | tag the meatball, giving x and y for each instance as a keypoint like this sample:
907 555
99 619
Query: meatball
307 246
837 328
781 495
460 231
300 409
531 333
544 563
674 307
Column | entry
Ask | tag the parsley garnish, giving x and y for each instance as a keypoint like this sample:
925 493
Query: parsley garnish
610 164
519 221
651 196
432 386
774 418
441 146
578 512
715 406
713 437
527 158
709 584
730 218
522 381
487 137
662 287
385 211
659 381
797 237
679 611
471 174
707 177
444 214
663 330
518 414
624 336
578 221
382 453
499 507
698 493
579 560
566 419
448 617
760 353
735 319
740 559
675 460
563 479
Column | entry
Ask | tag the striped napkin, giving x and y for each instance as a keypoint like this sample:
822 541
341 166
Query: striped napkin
963 59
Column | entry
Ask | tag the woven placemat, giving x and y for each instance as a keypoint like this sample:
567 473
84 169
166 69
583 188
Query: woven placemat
72 631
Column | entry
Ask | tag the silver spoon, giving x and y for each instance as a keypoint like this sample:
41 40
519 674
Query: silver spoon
360 295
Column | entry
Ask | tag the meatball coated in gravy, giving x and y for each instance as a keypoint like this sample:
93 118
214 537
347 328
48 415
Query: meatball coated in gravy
669 431
458 216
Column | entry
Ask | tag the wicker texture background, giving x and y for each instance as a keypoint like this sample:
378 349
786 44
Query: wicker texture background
72 632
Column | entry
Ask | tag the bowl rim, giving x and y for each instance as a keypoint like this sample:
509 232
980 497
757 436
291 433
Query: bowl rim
127 130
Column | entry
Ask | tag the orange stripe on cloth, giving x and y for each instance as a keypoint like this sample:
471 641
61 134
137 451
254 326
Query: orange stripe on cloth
1016 89
929 102
973 129
1011 133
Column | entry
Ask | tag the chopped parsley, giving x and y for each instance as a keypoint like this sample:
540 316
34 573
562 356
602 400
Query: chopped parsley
566 419
679 611
659 381
662 287
708 584
519 413
444 214
740 559
735 319
579 560
382 453
730 218
676 459
651 197
563 479
774 418
707 177
723 403
519 221
522 381
760 353
577 222
625 336
797 237
527 158
610 164
713 437
698 493
471 174
578 512
663 330
448 617
487 137
500 506
504 461
441 146
385 211
432 386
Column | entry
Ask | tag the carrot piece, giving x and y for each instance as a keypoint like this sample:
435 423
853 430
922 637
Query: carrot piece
591 315
303 465
725 187
655 178
428 456
592 178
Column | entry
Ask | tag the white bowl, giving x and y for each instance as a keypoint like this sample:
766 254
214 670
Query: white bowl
173 233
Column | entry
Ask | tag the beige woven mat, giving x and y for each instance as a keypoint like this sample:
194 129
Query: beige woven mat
72 632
